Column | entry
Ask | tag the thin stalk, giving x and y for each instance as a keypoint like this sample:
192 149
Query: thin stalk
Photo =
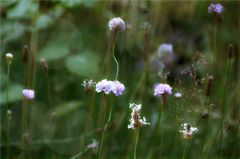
136 143
104 130
113 53
7 123
215 49
159 122
184 151
80 154
48 89
223 104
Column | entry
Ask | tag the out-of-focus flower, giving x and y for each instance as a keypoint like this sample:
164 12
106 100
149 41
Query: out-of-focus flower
28 94
9 58
9 114
93 145
188 130
117 88
107 87
136 121
44 64
88 85
215 8
164 50
116 24
178 95
161 89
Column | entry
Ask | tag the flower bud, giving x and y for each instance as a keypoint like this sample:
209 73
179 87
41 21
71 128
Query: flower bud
9 58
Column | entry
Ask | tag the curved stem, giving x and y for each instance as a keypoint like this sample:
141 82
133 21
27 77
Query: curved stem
113 53
104 130
136 143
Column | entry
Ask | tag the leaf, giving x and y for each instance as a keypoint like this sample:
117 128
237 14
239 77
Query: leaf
43 21
85 64
23 9
15 94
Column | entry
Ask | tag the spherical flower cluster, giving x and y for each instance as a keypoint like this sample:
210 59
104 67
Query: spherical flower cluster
161 89
9 58
28 94
107 87
164 50
215 8
188 131
178 95
116 24
136 121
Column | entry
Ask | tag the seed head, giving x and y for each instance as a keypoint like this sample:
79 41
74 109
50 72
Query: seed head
9 57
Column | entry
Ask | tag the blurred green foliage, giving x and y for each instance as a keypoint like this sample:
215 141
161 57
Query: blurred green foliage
73 37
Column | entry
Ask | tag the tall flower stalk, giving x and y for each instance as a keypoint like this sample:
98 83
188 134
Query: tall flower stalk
115 25
9 58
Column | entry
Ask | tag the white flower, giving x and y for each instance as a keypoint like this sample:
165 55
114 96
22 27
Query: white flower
136 121
178 95
9 58
188 131
28 94
116 24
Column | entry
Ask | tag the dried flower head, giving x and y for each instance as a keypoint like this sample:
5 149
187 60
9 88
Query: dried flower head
28 94
9 57
161 89
44 64
215 8
116 24
188 130
88 85
178 95
136 121
107 87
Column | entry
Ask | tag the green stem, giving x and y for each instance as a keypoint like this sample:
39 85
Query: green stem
7 123
113 53
215 49
223 104
104 130
136 143
184 151
48 89
80 153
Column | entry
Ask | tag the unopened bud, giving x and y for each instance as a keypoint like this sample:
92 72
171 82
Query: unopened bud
230 51
53 117
25 54
210 79
44 64
9 58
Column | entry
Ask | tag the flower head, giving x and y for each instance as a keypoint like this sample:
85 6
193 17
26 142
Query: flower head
9 58
178 95
188 131
107 87
116 24
88 85
161 89
136 121
117 88
215 8
164 50
93 145
28 94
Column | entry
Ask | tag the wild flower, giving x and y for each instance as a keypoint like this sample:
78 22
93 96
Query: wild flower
88 85
178 95
9 58
136 121
164 50
161 89
107 87
93 145
116 24
188 130
28 94
215 8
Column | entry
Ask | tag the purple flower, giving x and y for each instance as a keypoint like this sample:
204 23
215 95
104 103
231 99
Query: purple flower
160 89
117 88
116 24
28 94
215 8
107 87
104 86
